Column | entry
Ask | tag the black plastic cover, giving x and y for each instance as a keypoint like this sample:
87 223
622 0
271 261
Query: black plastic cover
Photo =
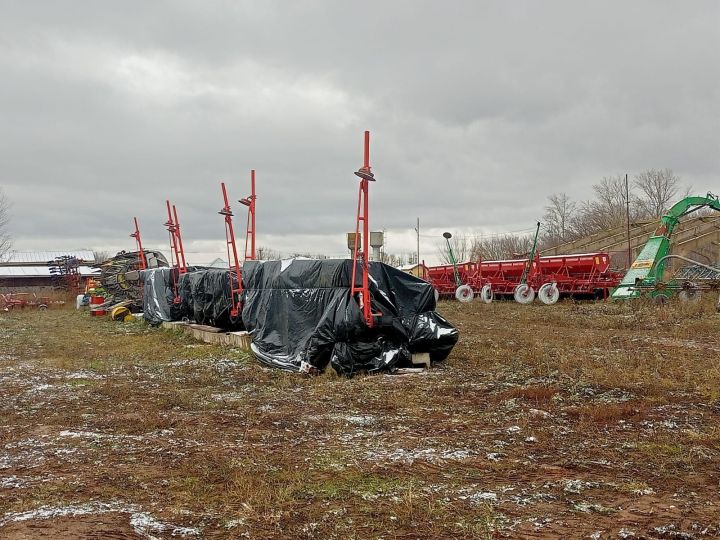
159 295
301 315
206 298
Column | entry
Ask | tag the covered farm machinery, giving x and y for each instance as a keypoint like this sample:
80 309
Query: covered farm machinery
303 314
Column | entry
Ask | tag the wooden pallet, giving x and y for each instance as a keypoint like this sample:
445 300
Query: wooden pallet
210 334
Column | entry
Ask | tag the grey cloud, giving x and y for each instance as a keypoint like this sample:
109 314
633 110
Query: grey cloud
478 110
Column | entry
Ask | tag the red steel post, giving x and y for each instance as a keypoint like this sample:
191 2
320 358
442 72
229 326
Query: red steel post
235 288
250 229
142 261
363 209
170 224
182 269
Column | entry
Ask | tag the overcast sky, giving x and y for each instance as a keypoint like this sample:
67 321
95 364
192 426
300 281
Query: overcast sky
478 111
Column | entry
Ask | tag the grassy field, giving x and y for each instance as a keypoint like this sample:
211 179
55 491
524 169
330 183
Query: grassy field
566 421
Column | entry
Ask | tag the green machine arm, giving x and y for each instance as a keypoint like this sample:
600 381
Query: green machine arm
649 266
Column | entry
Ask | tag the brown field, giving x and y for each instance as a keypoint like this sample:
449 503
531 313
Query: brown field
568 421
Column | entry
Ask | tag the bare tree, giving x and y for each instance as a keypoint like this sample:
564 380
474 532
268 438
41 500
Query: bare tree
308 255
659 187
101 256
5 238
460 248
609 208
392 259
506 246
560 214
266 254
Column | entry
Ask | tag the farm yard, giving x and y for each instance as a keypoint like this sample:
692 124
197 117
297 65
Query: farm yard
578 420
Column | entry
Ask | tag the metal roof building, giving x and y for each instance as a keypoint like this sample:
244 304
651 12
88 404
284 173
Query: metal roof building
22 269
33 258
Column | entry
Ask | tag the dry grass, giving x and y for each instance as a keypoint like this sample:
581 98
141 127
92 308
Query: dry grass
545 422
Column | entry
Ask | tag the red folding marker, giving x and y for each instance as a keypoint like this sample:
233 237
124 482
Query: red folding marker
177 254
235 284
362 291
250 229
183 267
142 261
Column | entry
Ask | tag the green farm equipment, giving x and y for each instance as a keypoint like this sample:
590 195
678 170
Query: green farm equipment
646 274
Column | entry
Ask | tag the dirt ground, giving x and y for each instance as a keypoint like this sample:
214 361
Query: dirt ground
566 421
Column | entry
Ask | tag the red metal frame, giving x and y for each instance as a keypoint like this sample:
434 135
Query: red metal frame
583 273
142 261
250 229
177 253
362 292
573 274
236 286
182 269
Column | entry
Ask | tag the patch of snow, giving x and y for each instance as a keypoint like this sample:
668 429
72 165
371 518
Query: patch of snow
39 388
577 486
144 524
359 420
235 523
84 374
83 434
430 455
13 482
483 496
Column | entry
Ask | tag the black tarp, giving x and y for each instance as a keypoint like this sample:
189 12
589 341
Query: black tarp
159 295
300 315
206 299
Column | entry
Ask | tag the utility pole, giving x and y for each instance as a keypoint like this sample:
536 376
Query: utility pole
627 218
417 232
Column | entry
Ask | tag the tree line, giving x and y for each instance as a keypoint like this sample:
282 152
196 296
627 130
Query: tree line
651 194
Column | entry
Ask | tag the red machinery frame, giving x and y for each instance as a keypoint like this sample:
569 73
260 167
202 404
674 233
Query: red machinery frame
142 261
582 273
250 229
177 253
236 288
575 274
362 291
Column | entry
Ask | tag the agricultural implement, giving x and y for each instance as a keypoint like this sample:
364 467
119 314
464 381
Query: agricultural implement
524 293
646 275
463 291
11 301
577 275
445 278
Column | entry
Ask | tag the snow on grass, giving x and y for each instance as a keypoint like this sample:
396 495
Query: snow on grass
142 522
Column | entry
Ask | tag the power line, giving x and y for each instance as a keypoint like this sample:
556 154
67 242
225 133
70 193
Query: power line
483 235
